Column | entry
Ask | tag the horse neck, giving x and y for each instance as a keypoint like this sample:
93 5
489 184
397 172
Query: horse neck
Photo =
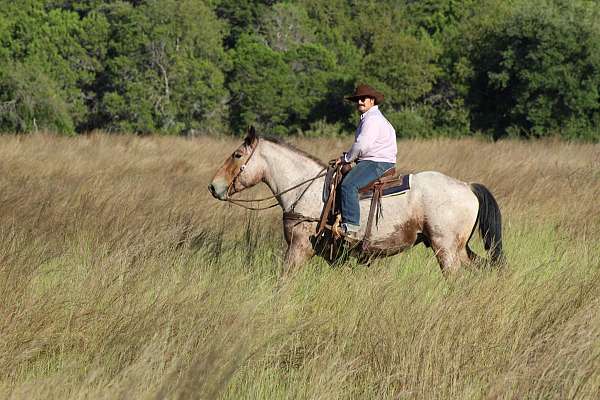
285 168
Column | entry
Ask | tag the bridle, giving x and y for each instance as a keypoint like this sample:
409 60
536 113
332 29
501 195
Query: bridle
239 202
239 172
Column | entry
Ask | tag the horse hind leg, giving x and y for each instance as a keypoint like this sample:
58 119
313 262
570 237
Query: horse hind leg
448 256
452 253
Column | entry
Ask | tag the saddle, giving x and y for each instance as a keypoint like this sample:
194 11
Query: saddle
389 184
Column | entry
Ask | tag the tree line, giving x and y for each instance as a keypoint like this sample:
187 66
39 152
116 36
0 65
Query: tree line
524 68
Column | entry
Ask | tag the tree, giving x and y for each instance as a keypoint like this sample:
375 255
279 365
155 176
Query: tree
531 70
400 63
242 16
165 68
286 26
439 18
48 46
260 85
30 101
315 78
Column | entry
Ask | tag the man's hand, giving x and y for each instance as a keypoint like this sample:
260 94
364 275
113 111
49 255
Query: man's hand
337 161
342 159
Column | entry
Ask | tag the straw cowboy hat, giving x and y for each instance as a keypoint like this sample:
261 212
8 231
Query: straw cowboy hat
365 90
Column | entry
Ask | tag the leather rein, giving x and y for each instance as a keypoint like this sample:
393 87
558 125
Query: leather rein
286 214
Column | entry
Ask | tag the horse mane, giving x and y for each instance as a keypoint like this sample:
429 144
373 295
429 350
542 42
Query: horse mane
283 143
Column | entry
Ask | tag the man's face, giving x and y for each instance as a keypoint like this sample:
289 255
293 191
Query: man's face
364 104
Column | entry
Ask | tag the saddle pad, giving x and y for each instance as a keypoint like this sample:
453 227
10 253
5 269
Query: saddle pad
400 187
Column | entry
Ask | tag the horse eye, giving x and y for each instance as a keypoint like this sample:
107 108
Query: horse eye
237 155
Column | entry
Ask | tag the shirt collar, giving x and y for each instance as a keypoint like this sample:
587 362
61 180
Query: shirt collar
374 108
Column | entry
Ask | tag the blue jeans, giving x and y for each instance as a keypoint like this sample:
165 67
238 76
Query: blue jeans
361 175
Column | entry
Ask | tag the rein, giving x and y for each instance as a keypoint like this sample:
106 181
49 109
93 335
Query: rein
239 201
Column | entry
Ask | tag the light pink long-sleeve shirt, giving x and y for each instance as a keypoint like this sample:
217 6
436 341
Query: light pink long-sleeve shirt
375 139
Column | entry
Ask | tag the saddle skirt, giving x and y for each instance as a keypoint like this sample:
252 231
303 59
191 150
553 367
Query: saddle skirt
392 186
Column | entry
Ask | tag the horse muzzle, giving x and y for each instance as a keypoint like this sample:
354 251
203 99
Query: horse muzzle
218 191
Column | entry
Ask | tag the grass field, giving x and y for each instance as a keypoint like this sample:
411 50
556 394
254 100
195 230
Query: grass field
120 277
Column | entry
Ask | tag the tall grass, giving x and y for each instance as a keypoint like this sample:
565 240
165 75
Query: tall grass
121 278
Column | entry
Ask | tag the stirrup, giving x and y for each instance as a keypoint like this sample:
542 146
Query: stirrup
336 228
340 233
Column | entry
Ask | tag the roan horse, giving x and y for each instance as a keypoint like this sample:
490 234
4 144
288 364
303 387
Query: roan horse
438 210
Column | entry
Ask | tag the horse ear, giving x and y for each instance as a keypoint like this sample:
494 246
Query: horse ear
250 136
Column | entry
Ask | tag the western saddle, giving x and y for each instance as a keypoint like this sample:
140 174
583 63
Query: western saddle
331 214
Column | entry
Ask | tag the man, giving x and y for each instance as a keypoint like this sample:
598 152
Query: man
374 151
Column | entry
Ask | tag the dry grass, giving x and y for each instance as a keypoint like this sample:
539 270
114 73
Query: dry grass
121 278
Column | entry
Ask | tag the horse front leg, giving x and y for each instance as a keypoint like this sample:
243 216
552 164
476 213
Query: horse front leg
297 235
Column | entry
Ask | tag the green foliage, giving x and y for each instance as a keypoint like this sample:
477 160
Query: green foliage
31 101
286 26
518 68
242 16
165 70
283 92
410 76
185 54
261 85
52 49
439 18
400 64
535 71
315 78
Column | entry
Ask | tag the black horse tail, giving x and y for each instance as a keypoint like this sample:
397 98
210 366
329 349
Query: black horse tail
490 223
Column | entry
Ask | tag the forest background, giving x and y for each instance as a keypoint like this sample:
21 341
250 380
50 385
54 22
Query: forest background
518 68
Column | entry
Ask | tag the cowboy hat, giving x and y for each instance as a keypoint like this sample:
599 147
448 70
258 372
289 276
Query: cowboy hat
365 90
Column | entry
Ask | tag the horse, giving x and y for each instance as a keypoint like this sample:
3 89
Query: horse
439 211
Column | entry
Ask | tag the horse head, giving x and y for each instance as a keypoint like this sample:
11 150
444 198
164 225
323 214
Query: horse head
241 170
